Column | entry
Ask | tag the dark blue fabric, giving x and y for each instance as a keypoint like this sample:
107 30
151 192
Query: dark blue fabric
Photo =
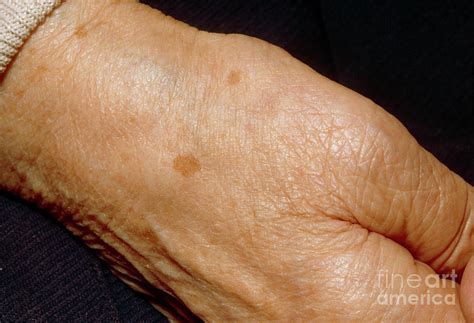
48 275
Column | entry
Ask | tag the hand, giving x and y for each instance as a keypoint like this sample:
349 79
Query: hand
223 171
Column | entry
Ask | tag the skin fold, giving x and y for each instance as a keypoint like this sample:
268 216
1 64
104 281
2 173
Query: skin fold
224 172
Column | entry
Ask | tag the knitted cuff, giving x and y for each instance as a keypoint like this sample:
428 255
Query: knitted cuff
18 18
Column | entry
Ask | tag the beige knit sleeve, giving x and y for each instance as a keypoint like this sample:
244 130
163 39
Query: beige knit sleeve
18 18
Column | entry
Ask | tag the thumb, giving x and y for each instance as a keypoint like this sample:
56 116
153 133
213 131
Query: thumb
467 291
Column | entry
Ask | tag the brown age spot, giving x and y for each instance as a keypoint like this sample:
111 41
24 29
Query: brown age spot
80 32
41 69
268 105
233 78
19 93
148 234
133 120
125 157
38 73
187 165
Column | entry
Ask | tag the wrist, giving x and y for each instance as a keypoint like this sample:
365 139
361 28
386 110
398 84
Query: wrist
31 90
70 68
73 91
55 110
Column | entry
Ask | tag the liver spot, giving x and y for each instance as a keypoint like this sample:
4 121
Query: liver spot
80 31
233 78
186 165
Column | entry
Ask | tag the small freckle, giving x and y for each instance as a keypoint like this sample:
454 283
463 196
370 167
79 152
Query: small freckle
148 234
125 158
80 32
19 94
186 165
38 73
41 69
233 78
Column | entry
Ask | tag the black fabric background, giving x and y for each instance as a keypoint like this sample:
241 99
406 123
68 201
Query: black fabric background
415 58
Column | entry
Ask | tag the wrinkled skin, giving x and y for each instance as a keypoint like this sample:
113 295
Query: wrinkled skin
220 169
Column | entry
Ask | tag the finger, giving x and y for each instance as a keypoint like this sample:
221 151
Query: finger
376 278
394 187
429 208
